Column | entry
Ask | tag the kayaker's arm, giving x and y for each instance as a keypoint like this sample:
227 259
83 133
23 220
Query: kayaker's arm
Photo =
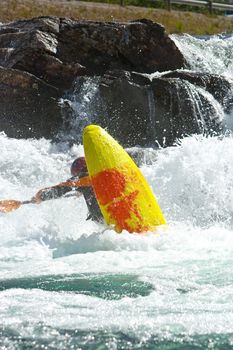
7 206
51 193
61 189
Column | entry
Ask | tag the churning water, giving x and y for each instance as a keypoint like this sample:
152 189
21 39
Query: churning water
68 283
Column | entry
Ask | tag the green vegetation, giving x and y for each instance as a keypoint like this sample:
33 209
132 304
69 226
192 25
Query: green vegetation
174 21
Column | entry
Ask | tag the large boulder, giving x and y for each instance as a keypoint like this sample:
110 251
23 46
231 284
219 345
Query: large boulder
57 49
125 107
28 106
141 46
215 84
147 111
46 58
50 53
182 109
31 46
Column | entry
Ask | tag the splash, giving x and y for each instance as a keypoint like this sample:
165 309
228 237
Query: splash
81 101
211 54
188 266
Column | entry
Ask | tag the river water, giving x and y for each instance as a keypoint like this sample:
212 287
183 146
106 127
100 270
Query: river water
68 283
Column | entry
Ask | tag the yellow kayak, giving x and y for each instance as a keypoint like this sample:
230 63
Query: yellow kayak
123 194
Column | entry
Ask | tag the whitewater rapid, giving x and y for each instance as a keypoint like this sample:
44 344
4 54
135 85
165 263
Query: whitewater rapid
188 264
69 283
208 55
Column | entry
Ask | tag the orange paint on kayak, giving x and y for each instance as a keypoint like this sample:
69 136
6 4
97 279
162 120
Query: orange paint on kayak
110 190
122 209
108 184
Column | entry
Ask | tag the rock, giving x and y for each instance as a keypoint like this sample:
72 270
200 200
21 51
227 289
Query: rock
181 109
42 58
141 46
28 106
216 85
31 46
51 53
73 48
125 107
145 111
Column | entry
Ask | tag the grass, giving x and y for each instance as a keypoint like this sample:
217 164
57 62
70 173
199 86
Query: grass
174 21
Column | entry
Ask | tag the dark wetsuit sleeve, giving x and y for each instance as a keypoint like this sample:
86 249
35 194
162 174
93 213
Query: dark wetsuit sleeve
54 192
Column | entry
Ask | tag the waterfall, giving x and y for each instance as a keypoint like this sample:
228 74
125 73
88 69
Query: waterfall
212 54
82 101
206 108
152 114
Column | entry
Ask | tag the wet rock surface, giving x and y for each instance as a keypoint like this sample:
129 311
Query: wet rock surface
27 105
56 49
216 85
43 61
160 110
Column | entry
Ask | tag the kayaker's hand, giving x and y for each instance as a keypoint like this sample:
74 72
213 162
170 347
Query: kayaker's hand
37 199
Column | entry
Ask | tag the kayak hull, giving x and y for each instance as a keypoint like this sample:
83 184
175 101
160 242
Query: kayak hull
124 196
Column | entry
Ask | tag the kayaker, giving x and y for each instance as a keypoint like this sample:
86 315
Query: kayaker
78 170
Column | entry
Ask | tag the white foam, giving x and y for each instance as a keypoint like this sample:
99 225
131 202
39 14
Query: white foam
189 263
213 54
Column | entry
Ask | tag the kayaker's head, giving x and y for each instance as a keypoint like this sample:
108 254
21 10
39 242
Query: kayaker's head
78 166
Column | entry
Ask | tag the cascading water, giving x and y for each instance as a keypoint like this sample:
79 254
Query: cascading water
81 102
212 54
68 283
